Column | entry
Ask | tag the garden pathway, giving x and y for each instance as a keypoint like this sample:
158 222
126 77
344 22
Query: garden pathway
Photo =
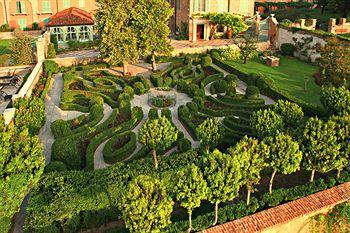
52 113
242 86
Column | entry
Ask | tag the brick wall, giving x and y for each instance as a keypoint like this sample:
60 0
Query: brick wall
290 217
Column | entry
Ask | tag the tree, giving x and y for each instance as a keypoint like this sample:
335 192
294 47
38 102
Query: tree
234 23
209 133
22 53
336 100
291 113
223 178
266 123
146 205
342 130
190 189
158 134
248 47
118 36
334 62
21 165
285 156
251 155
320 146
152 28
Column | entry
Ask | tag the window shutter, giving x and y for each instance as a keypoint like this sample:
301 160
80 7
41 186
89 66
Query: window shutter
196 5
206 6
23 6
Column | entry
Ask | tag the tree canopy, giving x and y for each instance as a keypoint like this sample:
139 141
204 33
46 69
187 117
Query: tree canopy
320 146
266 122
336 100
158 134
21 165
146 205
223 177
209 133
252 156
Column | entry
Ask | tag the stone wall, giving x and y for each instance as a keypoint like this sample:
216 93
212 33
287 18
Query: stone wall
290 217
343 27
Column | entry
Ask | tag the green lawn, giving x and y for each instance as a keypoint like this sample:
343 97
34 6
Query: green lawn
4 47
289 77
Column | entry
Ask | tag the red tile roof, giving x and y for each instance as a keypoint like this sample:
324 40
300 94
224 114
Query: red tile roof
70 17
282 214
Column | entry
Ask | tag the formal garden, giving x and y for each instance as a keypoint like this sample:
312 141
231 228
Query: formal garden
211 138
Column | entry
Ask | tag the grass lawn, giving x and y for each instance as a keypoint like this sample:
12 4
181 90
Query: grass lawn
4 47
289 76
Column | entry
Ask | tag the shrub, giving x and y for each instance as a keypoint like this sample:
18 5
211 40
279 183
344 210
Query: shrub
4 59
50 67
206 61
184 145
192 106
55 166
21 48
336 100
60 128
139 88
167 113
220 86
252 92
153 113
5 28
51 51
231 88
288 49
231 77
111 155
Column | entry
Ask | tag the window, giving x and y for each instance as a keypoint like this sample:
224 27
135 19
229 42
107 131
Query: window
20 7
178 5
199 5
46 6
22 23
81 3
71 33
223 6
58 33
84 33
66 3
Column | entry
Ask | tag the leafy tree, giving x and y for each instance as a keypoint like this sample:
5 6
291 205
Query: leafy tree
234 23
190 189
291 113
21 165
266 123
146 205
22 53
334 62
118 36
251 155
342 130
209 133
158 134
151 25
30 113
336 100
320 146
248 47
223 177
285 156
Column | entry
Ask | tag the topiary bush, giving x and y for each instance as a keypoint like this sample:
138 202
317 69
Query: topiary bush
55 166
139 88
252 92
119 147
231 88
184 145
60 128
288 49
220 86
51 51
153 113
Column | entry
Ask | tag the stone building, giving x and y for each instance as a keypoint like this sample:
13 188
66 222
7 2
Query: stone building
23 13
188 12
71 24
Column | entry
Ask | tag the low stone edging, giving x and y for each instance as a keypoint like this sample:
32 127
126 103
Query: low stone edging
278 216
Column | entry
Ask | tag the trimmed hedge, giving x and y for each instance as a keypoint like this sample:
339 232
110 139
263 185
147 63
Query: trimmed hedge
184 145
252 92
55 166
112 156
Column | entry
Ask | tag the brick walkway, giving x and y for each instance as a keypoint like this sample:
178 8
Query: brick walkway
277 216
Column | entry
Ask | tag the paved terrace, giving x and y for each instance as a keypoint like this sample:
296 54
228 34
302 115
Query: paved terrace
180 46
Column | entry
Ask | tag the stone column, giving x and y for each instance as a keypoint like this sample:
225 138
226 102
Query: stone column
194 31
331 24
